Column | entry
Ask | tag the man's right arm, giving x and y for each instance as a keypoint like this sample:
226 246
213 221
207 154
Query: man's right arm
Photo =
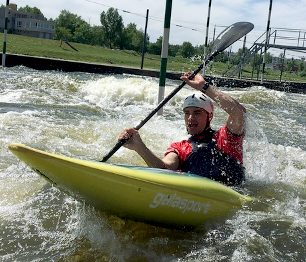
134 142
235 110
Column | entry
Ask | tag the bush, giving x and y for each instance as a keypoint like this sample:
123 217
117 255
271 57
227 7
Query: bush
303 73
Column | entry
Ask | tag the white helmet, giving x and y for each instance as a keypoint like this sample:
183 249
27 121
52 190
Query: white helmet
199 100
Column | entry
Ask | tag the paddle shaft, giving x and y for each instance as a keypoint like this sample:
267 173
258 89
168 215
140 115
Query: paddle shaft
227 37
121 142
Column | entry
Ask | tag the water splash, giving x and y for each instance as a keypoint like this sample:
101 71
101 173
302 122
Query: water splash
80 115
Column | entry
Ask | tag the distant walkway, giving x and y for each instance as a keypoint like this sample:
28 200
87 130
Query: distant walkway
41 63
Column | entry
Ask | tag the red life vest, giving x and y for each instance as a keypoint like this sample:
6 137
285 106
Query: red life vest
208 161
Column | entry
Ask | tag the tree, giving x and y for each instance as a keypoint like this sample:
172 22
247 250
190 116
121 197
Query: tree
269 58
83 33
187 50
63 33
302 65
292 65
96 36
112 25
133 38
236 57
71 27
31 10
155 48
256 61
173 50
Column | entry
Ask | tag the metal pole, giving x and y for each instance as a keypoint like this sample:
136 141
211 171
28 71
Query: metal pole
275 37
229 56
144 40
242 58
214 33
254 61
298 43
5 33
164 54
267 42
282 68
207 30
258 67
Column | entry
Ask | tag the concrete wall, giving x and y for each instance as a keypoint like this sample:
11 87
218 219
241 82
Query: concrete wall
41 63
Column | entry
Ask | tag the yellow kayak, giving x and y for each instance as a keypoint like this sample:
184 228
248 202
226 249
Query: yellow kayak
139 193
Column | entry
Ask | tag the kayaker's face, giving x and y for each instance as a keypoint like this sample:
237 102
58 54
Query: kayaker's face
195 120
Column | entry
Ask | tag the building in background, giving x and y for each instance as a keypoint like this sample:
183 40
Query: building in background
34 25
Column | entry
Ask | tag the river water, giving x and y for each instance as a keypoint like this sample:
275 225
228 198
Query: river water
80 115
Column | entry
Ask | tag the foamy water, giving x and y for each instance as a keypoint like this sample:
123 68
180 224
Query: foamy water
80 115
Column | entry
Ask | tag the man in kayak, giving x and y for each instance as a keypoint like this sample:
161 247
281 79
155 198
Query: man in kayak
217 155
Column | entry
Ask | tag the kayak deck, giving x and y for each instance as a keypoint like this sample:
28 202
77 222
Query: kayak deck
139 193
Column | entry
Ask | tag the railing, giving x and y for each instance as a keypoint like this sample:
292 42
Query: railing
278 38
291 37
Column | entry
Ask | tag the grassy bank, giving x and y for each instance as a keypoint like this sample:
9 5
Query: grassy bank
17 44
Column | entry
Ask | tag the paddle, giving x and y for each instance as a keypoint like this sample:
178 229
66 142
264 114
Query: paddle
226 38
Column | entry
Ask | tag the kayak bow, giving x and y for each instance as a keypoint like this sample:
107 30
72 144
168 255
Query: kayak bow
138 193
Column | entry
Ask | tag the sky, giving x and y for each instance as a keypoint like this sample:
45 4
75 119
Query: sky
189 17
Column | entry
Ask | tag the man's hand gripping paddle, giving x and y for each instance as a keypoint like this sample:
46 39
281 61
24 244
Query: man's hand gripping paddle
226 38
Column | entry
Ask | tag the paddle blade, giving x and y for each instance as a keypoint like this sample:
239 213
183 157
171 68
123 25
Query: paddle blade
229 36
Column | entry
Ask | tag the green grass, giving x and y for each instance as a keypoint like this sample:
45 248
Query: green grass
17 44
24 45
